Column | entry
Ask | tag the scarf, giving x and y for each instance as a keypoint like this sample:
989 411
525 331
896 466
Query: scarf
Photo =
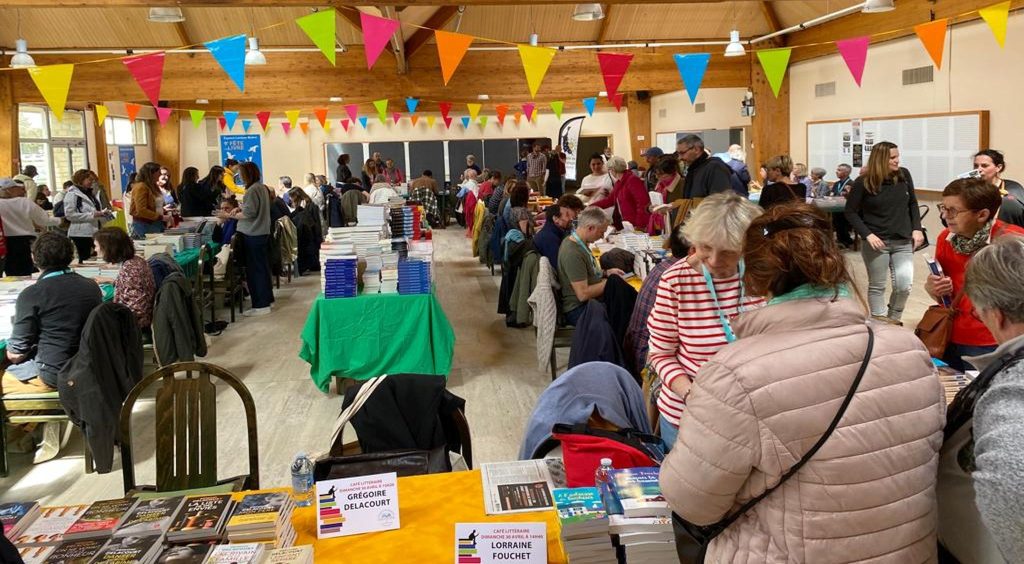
810 291
970 245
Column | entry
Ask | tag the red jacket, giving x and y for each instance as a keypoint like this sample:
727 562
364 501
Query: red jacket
630 195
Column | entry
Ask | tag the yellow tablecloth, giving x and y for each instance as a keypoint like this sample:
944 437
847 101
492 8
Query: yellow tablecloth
429 508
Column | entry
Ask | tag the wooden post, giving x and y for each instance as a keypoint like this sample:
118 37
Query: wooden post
770 124
10 154
639 117
103 158
167 146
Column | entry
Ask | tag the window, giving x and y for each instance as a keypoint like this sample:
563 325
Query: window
121 131
55 147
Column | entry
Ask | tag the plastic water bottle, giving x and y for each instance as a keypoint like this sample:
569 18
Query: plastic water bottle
302 480
603 482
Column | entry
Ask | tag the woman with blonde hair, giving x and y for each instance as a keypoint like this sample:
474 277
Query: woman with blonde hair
882 208
369 173
780 187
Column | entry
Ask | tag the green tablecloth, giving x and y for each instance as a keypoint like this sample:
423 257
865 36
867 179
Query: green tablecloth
370 335
188 259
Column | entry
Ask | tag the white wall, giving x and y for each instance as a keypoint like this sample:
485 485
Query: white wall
721 111
295 153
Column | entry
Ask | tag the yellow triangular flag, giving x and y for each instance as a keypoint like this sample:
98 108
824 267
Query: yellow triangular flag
53 82
995 16
536 61
430 121
327 125
474 109
101 113
293 117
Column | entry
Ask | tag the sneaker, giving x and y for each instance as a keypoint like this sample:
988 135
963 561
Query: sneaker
51 444
257 311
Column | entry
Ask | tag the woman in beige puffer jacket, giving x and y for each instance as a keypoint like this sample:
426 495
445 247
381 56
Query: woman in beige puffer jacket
762 402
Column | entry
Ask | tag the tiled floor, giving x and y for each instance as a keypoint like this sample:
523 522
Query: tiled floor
495 370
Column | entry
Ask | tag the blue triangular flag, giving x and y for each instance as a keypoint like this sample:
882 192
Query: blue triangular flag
412 104
691 69
465 121
229 119
246 124
590 104
362 121
230 54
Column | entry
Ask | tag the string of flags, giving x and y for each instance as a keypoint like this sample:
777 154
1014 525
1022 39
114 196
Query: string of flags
54 81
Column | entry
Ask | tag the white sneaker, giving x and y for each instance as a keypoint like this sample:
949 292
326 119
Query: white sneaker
257 311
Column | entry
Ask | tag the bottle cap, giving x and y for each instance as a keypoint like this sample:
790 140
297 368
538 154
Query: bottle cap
606 462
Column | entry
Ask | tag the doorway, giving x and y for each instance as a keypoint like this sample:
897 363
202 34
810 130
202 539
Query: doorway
587 147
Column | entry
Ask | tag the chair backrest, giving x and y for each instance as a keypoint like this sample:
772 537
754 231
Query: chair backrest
186 427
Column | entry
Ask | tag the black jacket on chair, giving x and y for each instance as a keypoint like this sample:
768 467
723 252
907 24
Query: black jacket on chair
177 324
594 340
96 380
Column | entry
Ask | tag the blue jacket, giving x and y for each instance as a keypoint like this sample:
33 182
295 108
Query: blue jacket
547 241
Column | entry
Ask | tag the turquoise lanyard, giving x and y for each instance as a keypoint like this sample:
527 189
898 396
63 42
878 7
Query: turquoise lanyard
586 250
55 274
722 318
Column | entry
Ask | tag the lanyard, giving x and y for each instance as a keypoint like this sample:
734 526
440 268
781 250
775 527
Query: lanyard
55 274
726 326
586 250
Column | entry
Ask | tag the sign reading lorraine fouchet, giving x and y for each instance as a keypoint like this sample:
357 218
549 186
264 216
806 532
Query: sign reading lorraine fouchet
487 543
350 506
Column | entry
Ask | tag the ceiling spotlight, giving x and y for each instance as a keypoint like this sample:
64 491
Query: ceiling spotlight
483 97
878 6
166 15
21 58
253 56
534 38
202 101
335 98
735 48
588 13
602 94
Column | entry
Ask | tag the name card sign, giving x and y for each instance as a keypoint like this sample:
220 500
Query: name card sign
350 506
487 543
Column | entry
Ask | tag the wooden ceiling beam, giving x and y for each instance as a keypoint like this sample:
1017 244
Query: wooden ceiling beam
307 3
602 33
397 41
183 35
770 16
421 36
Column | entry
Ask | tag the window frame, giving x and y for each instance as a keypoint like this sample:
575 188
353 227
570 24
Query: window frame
138 126
52 143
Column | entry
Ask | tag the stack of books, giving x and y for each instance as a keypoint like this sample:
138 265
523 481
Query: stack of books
292 555
584 526
400 246
367 215
339 277
144 550
48 528
263 517
16 516
413 277
149 517
644 530
194 553
100 520
396 217
201 518
246 553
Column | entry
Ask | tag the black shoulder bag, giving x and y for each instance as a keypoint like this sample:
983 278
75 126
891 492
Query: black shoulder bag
703 535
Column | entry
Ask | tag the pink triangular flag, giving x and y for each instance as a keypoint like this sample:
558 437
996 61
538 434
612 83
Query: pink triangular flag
287 127
617 101
163 114
613 69
528 110
148 72
377 33
855 54
447 122
264 118
344 123
396 116
353 112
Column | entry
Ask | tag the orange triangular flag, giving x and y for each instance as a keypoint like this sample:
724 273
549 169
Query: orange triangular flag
451 47
321 116
414 118
304 126
933 37
132 110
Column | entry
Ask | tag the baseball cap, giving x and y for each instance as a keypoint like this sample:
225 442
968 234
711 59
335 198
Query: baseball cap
653 152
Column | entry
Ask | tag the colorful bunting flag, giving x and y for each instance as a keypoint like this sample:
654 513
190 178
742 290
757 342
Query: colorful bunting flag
465 122
377 33
447 122
774 63
445 108
287 127
230 118
293 117
995 16
230 55
855 53
344 123
101 114
414 118
221 123
613 69
320 27
451 48
933 37
327 126
382 108
197 117
691 68
431 120
590 104
557 107
483 122
53 82
502 109
528 110
264 119
304 126
518 116
246 124
617 101
163 114
132 110
474 110
536 61
148 72
321 116
363 120
411 104
353 112
396 116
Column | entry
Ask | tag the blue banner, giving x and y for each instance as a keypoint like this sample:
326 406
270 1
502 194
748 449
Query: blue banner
126 158
242 148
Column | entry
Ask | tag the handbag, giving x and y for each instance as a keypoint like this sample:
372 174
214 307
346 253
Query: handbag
703 535
584 446
935 329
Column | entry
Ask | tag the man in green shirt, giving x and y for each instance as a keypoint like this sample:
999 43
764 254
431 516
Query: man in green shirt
578 272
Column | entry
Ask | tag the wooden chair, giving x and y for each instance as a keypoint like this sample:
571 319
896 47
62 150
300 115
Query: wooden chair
230 285
186 429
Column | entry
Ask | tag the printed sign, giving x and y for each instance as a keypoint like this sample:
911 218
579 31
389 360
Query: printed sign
126 158
569 139
242 148
351 506
486 543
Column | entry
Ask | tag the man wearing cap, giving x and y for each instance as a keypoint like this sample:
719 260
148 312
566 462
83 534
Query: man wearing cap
27 177
652 156
705 175
21 219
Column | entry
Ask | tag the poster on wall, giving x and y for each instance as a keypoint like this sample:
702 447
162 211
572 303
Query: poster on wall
858 155
242 148
569 139
126 158
856 127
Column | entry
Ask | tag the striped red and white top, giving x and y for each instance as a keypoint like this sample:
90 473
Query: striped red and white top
685 327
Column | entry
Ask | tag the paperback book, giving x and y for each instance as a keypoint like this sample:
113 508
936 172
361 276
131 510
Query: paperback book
640 493
51 524
35 554
200 518
292 555
194 553
143 549
248 553
100 520
16 516
149 517
75 552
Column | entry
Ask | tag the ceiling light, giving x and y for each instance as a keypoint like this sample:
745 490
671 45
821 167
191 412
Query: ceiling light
202 101
21 58
166 15
735 48
878 6
335 98
483 97
602 94
534 38
253 56
588 13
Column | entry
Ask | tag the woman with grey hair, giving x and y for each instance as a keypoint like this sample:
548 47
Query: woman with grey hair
981 482
629 196
696 298
820 188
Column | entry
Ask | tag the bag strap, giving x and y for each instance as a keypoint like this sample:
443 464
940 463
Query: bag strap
724 523
357 402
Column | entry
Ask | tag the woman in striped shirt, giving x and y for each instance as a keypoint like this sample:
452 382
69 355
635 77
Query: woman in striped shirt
696 299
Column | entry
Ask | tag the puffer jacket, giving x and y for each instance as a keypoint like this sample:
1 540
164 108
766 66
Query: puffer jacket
763 401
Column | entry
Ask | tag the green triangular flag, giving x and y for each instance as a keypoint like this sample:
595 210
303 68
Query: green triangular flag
382 108
774 63
557 108
483 121
197 117
320 27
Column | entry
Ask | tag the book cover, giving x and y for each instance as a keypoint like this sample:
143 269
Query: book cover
291 555
200 513
578 506
50 526
236 553
75 552
100 519
259 509
35 554
194 553
639 491
127 549
149 517
13 514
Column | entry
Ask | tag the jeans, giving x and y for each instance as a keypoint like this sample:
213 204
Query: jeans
257 270
572 317
84 247
955 354
140 229
669 432
893 263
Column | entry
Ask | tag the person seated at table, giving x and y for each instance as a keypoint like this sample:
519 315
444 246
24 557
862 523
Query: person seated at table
392 172
134 286
48 322
21 219
424 193
820 188
520 216
225 228
425 180
572 202
629 196
311 189
549 239
469 184
781 188
578 273
381 192
488 186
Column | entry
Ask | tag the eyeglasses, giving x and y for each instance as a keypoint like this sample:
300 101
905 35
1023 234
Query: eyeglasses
951 213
